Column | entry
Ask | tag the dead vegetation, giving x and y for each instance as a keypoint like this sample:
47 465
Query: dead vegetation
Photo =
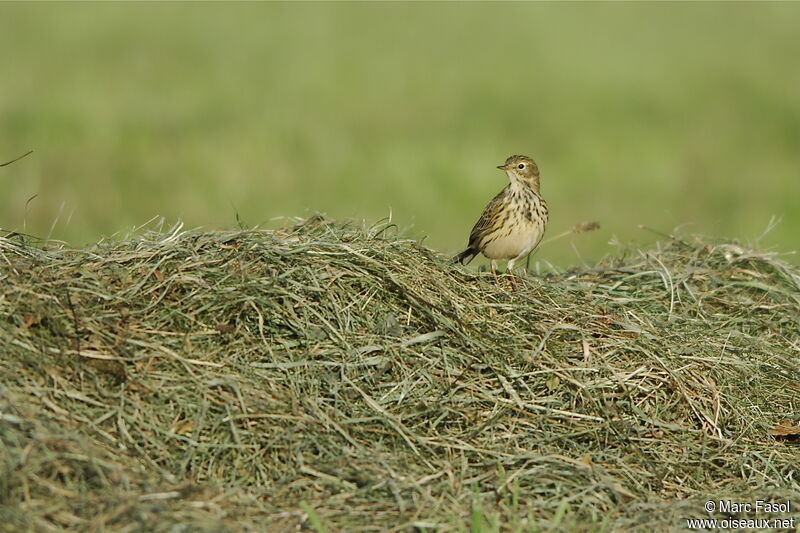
333 377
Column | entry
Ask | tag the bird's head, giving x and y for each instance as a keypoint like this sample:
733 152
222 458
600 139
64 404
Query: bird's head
522 168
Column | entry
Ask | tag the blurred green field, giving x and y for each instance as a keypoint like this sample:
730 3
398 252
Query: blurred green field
658 114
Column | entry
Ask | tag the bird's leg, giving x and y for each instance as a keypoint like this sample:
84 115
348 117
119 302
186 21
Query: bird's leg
510 271
494 267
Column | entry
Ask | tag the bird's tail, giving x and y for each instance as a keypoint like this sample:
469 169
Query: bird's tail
466 256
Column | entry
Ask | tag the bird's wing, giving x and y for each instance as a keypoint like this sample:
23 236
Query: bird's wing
488 221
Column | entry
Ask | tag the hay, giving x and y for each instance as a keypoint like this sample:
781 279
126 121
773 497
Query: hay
338 377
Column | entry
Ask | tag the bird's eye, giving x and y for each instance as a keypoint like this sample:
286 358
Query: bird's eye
521 166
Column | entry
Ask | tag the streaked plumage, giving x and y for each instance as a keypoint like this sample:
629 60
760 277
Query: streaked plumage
513 223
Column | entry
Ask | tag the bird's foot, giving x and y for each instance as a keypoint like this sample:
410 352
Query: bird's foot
512 280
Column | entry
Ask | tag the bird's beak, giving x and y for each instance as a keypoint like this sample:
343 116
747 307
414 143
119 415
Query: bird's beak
504 167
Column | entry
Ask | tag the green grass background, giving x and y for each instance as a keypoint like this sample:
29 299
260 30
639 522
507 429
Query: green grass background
657 114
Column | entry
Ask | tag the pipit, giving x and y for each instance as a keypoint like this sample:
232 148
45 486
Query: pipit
513 223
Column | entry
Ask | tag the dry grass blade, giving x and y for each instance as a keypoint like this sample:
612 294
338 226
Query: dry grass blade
786 428
26 154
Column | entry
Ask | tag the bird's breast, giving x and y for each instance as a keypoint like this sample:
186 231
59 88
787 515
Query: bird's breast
521 231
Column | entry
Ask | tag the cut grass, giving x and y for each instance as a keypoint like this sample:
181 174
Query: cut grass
340 377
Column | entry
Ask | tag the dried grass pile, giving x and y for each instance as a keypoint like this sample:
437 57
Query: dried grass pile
340 378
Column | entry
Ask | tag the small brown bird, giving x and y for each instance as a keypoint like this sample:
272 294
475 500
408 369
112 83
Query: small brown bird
513 223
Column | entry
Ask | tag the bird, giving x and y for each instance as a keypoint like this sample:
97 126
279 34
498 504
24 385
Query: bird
513 223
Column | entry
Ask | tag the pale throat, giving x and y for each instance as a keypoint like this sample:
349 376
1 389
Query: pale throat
518 183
